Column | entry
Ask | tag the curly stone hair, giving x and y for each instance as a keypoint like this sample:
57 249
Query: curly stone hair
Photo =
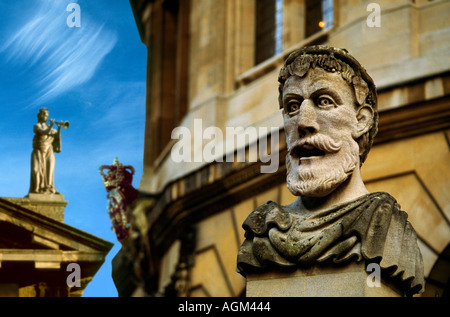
338 60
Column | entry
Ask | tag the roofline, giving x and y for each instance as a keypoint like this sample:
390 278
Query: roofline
81 236
137 13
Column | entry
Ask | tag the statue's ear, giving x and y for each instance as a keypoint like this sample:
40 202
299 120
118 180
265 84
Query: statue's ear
365 121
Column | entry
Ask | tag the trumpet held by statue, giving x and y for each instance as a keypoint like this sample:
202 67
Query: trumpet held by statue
64 124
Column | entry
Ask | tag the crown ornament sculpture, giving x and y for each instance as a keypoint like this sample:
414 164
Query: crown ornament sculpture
118 175
121 193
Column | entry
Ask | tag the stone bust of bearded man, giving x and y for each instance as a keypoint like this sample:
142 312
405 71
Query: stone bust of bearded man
329 107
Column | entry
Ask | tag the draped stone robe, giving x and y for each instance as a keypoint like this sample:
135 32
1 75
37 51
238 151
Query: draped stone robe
371 227
43 161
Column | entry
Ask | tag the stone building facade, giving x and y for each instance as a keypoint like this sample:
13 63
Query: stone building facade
215 63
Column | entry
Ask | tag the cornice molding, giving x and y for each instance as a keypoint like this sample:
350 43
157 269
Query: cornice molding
63 233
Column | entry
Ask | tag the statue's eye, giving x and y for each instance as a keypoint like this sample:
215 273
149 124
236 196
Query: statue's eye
325 102
293 106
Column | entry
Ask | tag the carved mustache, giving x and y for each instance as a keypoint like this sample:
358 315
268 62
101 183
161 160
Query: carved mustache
318 144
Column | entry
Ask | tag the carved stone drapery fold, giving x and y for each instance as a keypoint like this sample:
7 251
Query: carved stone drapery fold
371 227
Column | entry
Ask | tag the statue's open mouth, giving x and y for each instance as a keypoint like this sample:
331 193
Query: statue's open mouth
306 151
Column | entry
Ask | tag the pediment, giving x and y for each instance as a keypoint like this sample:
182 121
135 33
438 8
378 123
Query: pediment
21 228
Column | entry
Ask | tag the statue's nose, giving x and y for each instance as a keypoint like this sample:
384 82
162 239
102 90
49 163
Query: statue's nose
307 119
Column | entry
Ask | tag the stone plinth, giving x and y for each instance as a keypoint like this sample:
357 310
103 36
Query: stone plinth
50 205
319 281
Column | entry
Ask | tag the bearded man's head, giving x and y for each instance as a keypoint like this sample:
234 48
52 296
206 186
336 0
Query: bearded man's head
330 116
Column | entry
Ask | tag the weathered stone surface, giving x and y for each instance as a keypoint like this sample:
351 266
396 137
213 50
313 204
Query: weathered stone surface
329 107
371 228
50 205
319 281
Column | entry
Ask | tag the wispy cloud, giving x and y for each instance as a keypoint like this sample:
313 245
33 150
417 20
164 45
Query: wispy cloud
63 57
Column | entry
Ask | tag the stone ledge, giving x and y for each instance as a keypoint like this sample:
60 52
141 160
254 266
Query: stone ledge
50 205
44 197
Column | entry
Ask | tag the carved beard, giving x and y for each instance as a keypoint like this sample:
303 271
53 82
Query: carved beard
318 179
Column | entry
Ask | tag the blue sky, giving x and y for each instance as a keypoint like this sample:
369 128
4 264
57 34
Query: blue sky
92 76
